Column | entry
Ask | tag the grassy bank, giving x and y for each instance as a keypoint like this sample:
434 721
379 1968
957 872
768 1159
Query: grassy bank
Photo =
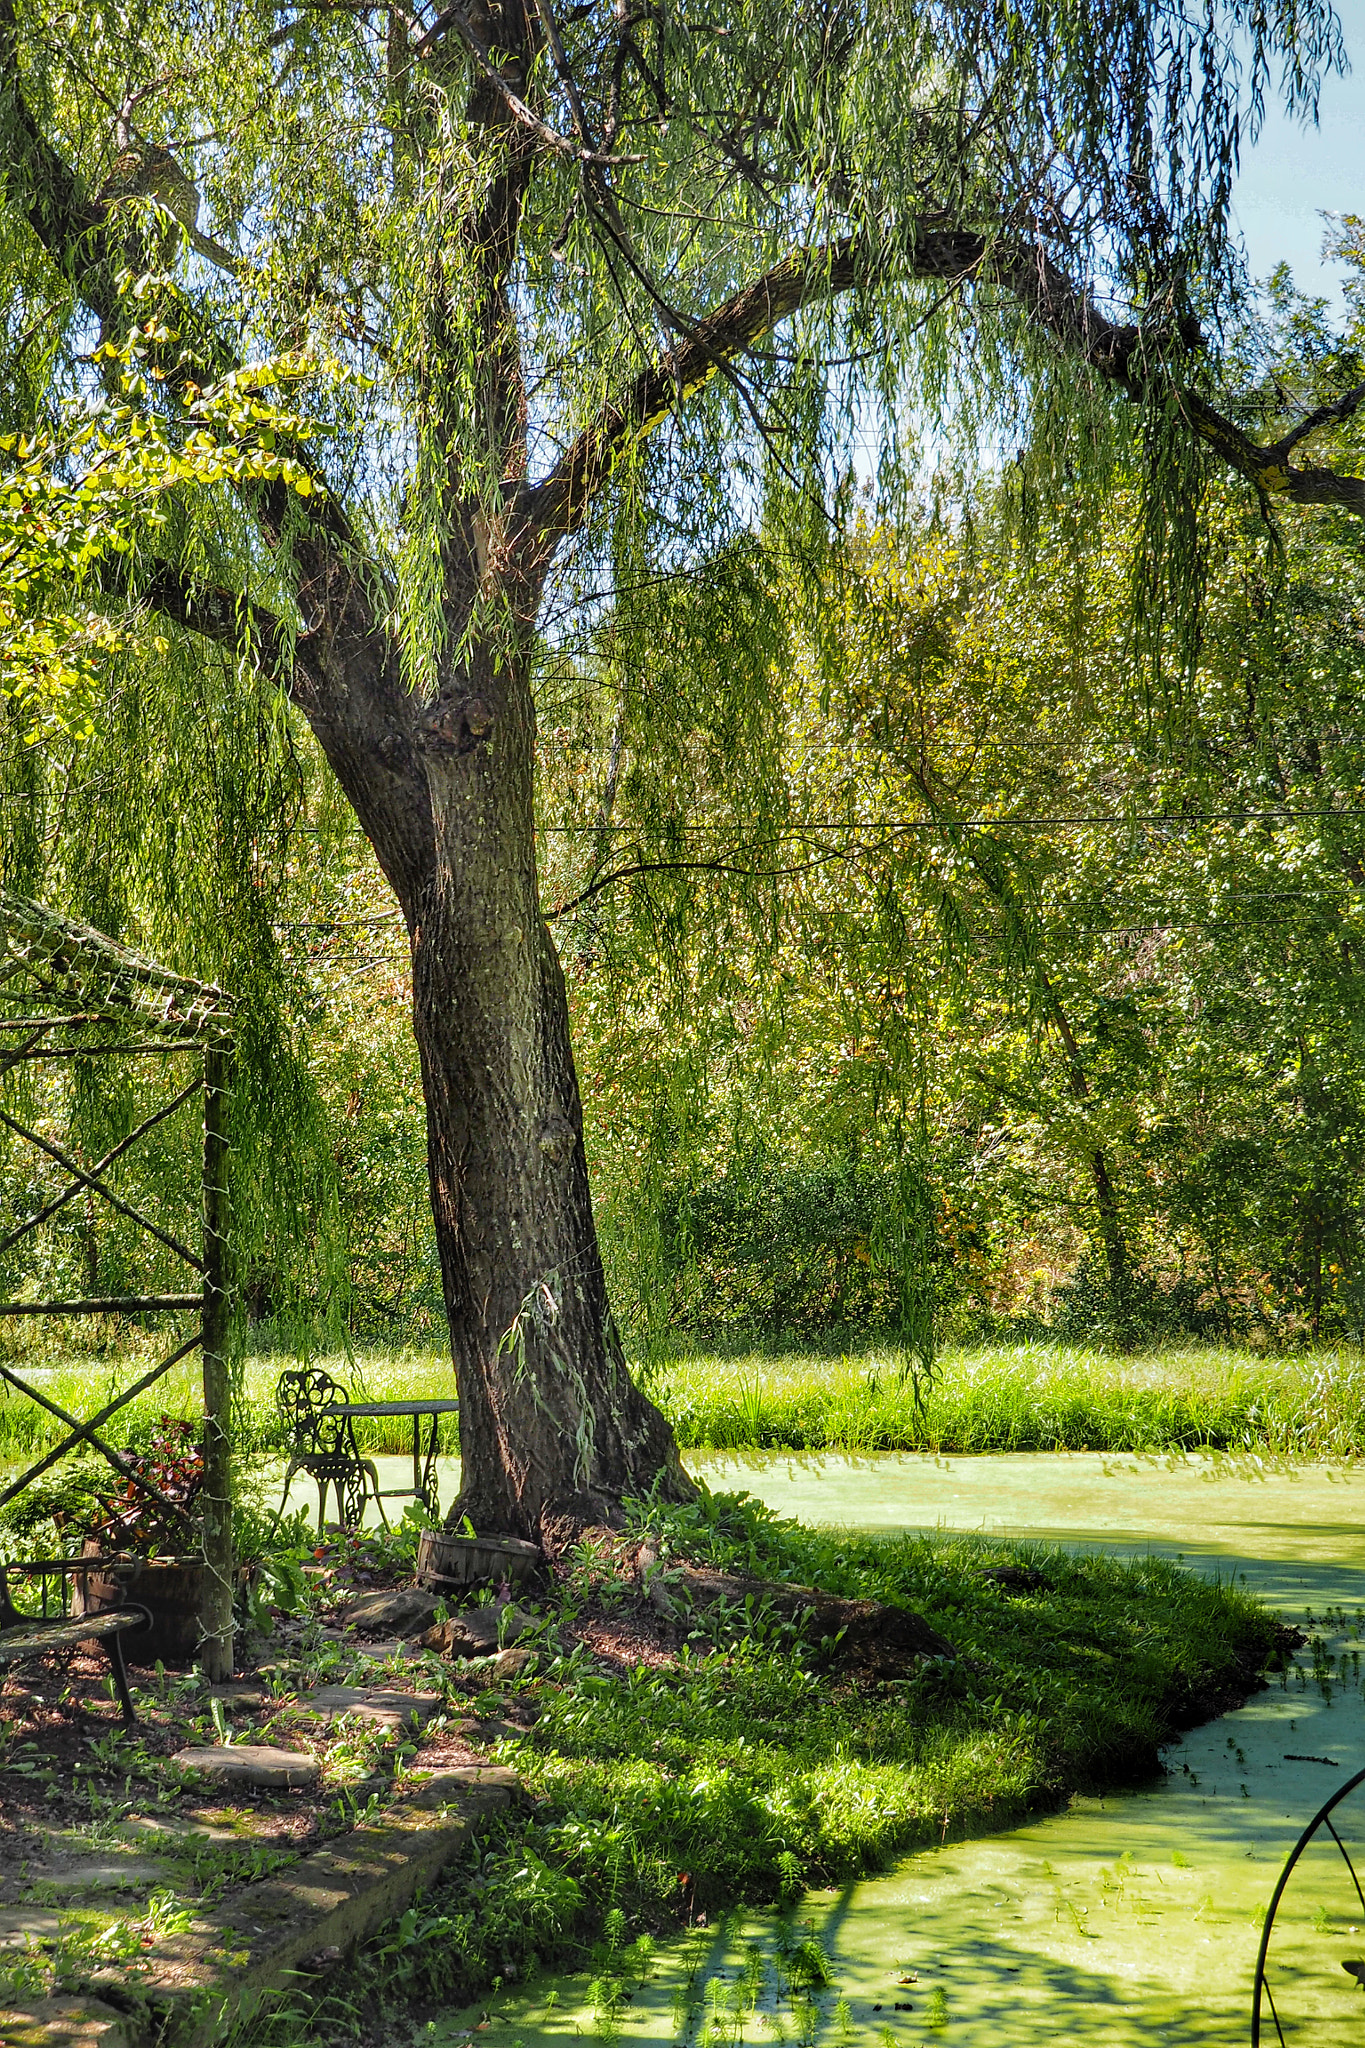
1023 1397
742 1768
81 1385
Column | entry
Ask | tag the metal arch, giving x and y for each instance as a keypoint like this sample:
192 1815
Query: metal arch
1259 1982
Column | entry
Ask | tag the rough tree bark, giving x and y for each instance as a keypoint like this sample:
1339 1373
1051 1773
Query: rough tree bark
547 1408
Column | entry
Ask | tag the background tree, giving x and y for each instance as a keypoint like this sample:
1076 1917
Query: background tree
617 279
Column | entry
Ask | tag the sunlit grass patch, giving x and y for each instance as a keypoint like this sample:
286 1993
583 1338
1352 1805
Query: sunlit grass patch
997 1397
1020 1397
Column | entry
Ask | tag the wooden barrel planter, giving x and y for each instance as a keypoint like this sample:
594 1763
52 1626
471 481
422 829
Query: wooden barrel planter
445 1562
172 1593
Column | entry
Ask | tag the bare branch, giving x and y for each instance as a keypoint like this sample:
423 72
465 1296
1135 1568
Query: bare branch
1266 468
560 503
1333 414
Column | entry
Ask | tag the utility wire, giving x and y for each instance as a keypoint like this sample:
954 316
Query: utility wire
982 824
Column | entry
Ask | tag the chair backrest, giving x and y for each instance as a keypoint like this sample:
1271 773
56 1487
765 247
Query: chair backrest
307 1396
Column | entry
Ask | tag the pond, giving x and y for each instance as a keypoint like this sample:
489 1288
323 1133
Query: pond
1128 1920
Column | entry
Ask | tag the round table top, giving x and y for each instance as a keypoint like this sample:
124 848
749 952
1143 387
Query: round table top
392 1407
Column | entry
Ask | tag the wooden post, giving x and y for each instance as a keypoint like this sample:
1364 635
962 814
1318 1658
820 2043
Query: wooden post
216 1612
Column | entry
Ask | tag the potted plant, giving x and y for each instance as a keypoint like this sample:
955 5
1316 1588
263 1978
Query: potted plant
135 1538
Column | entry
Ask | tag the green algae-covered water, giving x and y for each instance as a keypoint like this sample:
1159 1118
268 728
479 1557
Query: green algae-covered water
1124 1921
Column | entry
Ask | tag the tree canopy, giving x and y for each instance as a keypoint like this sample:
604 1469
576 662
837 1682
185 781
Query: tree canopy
571 301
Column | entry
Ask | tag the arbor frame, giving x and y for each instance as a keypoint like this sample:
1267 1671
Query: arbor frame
103 1001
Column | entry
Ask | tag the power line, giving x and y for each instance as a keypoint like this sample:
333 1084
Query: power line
946 828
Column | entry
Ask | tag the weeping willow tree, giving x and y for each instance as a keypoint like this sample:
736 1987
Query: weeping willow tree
594 285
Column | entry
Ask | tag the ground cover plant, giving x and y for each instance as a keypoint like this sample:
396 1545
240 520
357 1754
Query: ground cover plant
681 1757
680 1753
1031 1396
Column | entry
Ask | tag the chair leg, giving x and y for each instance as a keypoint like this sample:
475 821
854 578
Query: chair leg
371 1473
114 1645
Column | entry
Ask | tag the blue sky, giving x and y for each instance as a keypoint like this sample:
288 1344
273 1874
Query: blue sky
1293 173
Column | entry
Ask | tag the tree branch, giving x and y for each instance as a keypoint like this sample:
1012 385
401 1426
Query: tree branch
366 734
227 617
51 197
524 116
1267 468
1133 358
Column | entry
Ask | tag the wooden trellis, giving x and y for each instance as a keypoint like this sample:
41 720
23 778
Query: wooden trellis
67 992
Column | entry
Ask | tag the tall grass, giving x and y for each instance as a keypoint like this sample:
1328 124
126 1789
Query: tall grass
82 1385
1021 1397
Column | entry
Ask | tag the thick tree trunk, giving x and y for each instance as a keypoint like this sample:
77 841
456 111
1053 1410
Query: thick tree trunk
548 1411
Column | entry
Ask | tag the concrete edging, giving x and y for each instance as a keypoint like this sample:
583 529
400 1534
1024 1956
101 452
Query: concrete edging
258 1941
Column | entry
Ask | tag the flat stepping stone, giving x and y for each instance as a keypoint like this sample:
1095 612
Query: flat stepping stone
403 1613
448 1787
389 1710
178 1832
20 1925
238 1695
401 1647
251 1763
62 2023
478 1631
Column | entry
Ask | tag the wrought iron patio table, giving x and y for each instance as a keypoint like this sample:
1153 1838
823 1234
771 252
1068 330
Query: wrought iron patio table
423 1462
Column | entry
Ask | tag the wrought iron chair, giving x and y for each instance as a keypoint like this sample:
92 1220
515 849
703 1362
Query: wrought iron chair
322 1444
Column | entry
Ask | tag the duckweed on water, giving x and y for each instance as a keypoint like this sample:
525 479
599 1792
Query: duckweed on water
662 1793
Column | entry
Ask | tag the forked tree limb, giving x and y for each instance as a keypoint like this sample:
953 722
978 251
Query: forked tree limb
1268 466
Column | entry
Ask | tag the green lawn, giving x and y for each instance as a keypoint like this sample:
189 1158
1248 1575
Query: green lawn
1023 1397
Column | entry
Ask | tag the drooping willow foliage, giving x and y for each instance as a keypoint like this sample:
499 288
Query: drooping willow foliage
172 827
965 190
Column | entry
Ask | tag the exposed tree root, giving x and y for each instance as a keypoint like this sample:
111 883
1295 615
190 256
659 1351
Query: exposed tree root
868 1637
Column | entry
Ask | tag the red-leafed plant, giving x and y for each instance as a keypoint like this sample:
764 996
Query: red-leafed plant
129 1519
